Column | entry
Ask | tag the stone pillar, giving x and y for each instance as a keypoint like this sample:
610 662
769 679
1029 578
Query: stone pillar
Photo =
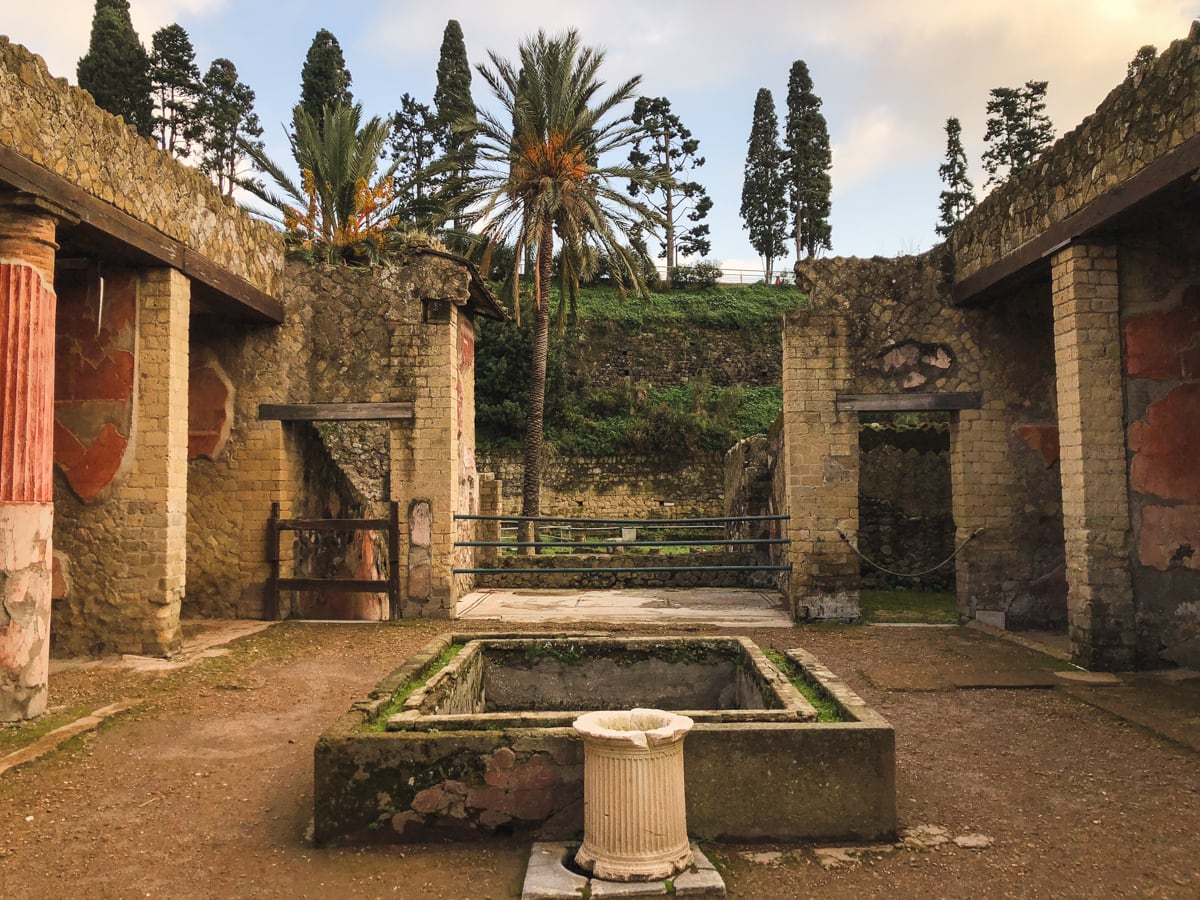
991 567
491 501
1087 353
152 539
433 457
270 470
27 246
821 459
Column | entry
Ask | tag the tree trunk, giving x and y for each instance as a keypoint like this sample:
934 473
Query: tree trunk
531 481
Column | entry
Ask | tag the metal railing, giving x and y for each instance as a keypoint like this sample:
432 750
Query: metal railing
628 540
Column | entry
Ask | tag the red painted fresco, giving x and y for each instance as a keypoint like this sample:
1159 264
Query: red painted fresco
1165 345
1170 537
1041 439
210 408
94 378
89 469
1164 447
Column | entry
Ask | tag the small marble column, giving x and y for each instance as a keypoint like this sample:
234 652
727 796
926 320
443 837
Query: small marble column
634 809
27 247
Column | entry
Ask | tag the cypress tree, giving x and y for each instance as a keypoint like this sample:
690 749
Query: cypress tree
958 198
764 194
116 68
452 100
175 86
324 79
807 163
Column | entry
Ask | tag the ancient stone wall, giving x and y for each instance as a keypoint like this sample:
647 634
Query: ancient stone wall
61 129
121 453
350 335
1140 120
614 487
902 335
1160 324
905 522
230 491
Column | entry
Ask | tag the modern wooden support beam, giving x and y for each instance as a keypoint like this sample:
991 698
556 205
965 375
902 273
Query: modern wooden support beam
335 412
908 402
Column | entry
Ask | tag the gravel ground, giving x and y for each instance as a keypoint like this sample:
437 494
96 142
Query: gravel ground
205 789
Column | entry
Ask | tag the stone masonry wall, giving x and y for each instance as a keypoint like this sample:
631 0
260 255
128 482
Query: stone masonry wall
61 129
903 335
1160 324
338 344
614 488
123 539
1140 120
905 522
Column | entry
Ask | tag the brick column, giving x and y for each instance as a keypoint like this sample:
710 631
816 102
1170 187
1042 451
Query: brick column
491 503
26 453
821 459
433 457
1087 353
151 543
991 568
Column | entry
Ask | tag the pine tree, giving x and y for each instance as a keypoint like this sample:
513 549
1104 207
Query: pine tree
1141 62
226 114
324 80
1018 129
764 194
807 163
670 152
416 134
455 109
116 68
958 198
175 87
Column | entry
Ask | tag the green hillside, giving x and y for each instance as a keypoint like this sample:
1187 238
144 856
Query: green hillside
684 371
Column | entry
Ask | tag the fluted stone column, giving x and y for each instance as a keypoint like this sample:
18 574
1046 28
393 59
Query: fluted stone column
27 231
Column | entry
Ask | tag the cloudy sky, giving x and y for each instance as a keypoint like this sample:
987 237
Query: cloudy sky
889 73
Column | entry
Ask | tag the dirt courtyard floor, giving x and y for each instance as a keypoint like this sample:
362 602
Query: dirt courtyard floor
204 789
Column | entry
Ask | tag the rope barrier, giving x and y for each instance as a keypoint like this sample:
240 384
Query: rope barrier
974 534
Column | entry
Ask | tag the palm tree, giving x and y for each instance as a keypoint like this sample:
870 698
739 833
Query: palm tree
343 208
540 171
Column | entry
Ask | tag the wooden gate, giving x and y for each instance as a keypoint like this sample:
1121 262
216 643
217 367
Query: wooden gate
390 585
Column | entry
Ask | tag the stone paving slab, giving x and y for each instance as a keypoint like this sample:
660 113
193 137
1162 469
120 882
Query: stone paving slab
721 607
548 878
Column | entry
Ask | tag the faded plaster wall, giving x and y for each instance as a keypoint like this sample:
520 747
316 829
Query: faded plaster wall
1160 321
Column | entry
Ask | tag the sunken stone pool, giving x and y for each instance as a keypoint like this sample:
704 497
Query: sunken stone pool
473 737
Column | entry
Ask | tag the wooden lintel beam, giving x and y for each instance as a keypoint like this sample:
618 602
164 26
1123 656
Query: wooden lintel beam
92 213
930 402
334 412
1163 172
